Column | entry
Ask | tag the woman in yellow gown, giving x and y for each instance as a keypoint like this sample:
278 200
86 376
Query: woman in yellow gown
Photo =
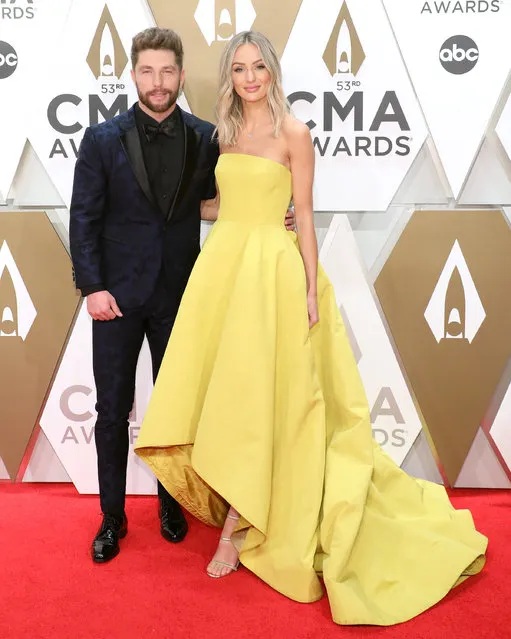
259 422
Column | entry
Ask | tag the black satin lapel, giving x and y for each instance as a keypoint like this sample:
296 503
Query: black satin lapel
133 148
193 140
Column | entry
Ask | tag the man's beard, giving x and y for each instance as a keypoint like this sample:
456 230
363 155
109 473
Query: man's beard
161 107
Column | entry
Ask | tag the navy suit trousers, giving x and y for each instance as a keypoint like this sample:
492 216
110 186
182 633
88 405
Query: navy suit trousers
116 348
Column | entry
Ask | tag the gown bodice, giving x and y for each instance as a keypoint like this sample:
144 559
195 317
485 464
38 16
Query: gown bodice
254 190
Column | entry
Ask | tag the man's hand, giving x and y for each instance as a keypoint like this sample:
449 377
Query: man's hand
102 306
290 218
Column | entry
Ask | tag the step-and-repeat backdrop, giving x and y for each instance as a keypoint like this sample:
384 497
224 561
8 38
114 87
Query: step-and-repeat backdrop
408 105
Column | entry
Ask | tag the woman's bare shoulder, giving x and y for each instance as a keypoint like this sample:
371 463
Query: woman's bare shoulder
298 138
294 129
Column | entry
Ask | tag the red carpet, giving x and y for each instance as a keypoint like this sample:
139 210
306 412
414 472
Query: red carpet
50 588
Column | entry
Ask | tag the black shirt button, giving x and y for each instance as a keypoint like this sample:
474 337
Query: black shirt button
164 196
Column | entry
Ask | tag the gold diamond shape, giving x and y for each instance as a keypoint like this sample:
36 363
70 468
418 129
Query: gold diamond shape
201 59
107 56
344 52
453 359
37 306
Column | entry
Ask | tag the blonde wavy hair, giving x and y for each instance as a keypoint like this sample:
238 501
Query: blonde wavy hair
229 108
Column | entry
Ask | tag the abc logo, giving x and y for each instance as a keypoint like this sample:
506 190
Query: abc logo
8 60
459 54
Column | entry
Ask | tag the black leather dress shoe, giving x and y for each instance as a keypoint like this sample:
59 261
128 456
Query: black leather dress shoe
173 522
106 543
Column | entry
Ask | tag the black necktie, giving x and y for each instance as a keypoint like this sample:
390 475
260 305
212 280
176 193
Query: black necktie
166 128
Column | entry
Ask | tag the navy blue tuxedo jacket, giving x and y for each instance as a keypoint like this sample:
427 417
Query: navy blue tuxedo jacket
119 238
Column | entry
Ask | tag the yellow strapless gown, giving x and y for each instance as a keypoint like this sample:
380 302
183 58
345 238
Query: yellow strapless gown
253 409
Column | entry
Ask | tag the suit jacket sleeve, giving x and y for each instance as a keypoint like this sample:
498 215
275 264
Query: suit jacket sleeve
209 191
87 214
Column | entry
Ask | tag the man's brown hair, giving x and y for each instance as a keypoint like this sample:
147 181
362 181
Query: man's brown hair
156 38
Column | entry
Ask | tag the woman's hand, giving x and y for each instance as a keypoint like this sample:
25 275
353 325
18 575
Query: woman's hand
312 309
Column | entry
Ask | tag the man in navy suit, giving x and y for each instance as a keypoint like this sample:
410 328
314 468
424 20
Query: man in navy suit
142 182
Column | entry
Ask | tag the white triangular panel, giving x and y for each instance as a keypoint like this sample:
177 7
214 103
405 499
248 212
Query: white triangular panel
420 461
458 61
69 415
482 468
378 366
3 471
355 146
501 428
77 96
44 465
27 33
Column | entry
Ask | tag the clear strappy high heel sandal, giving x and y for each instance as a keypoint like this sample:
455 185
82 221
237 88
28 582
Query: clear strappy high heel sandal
217 562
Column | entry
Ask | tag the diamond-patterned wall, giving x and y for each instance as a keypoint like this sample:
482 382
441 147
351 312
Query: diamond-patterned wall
410 112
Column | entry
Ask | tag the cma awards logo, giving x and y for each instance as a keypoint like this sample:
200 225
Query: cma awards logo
17 311
219 21
385 405
455 310
344 57
107 61
17 9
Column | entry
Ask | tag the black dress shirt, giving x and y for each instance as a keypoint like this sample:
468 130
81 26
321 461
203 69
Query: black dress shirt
163 155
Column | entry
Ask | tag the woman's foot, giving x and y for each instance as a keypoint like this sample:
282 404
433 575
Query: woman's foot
225 560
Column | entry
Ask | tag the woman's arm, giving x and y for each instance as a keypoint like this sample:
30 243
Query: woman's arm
301 155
